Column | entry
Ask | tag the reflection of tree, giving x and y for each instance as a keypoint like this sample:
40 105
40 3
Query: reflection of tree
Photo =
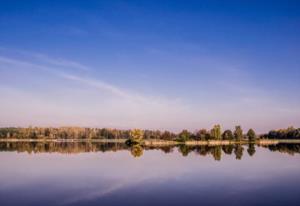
217 153
238 151
184 150
285 148
167 149
137 150
228 149
202 150
60 147
251 149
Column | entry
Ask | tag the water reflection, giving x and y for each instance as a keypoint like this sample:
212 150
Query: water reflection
111 174
137 150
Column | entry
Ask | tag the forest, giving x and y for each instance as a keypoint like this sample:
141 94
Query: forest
215 133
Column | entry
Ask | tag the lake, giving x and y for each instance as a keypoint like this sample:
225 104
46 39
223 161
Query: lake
45 174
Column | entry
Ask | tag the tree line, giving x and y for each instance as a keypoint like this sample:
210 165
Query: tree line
215 133
289 133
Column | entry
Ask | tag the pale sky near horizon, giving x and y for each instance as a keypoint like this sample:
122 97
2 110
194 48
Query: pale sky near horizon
150 64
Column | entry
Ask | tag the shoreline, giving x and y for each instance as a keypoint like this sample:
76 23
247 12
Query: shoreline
159 143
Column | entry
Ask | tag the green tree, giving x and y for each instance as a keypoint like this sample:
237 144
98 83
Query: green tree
203 135
227 135
216 132
251 135
238 133
166 135
184 135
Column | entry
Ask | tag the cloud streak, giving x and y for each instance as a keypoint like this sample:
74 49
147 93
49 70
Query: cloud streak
75 96
97 84
117 106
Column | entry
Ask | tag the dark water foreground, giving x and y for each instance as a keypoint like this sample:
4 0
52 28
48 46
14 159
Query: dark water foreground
57 173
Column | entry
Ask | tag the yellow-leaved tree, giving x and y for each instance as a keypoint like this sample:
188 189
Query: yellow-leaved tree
136 135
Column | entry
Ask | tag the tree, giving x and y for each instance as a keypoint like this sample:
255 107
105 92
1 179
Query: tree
238 133
227 135
166 135
216 132
136 135
184 135
157 134
251 135
202 135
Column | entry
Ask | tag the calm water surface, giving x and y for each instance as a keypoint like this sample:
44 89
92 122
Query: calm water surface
116 175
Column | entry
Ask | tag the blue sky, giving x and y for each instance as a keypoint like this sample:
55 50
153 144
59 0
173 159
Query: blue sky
150 64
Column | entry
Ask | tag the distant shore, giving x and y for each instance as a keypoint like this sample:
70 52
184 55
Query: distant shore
159 143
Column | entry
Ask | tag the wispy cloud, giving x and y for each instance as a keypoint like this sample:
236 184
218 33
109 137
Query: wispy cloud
52 65
20 63
46 59
76 96
61 62
97 84
121 108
